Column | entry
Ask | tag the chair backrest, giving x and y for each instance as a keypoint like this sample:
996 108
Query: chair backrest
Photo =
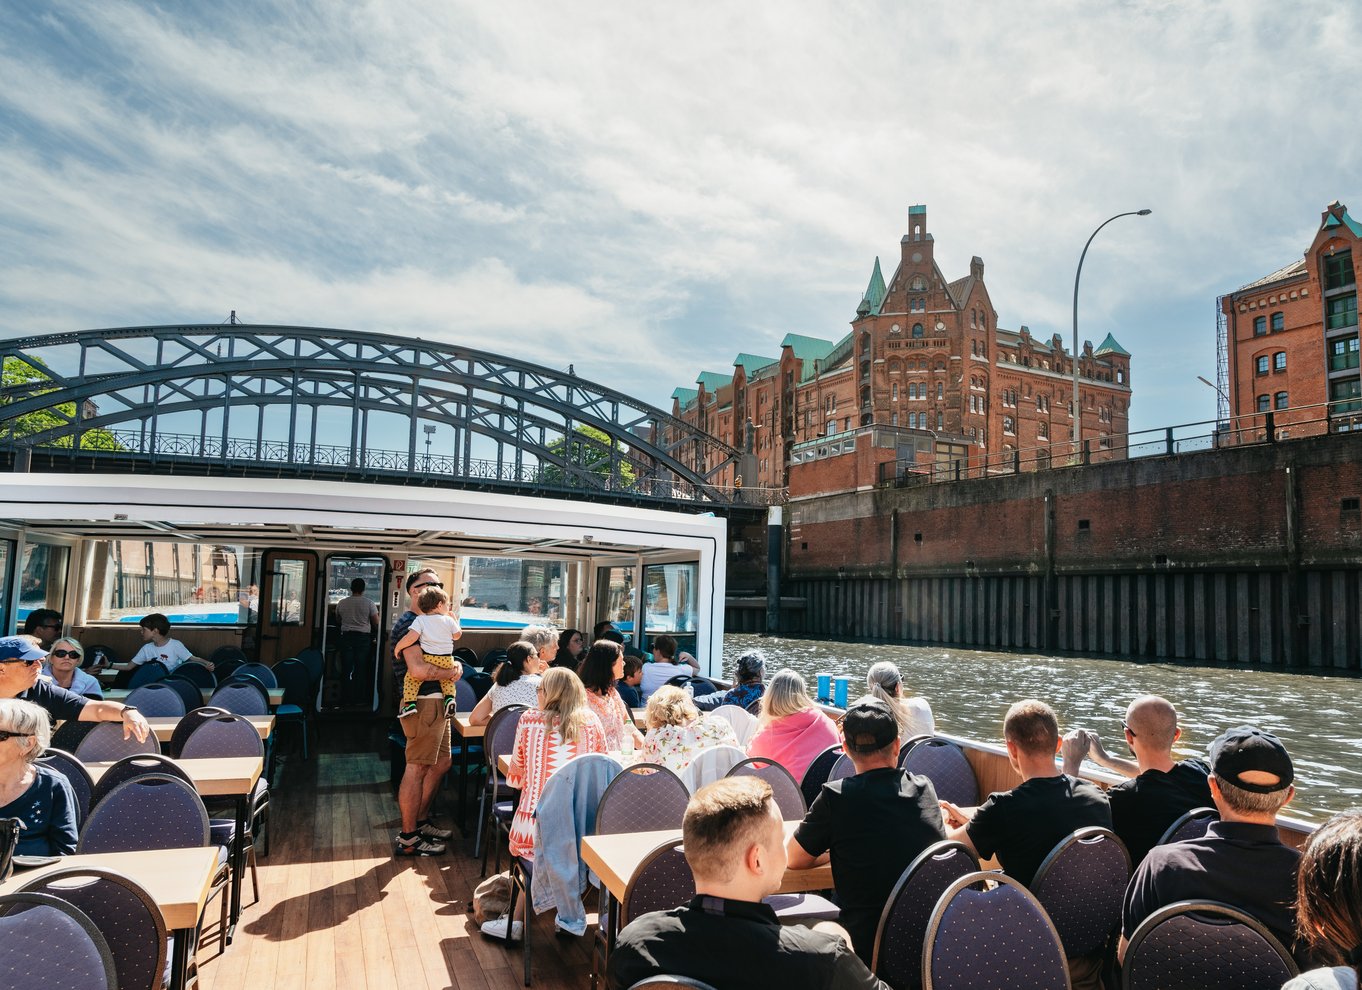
644 798
999 936
744 725
105 743
223 736
198 675
131 767
1081 885
665 982
159 698
1204 945
907 744
788 797
82 785
296 680
148 673
190 693
311 658
662 881
222 671
902 930
241 697
500 735
185 727
465 655
817 774
710 765
842 769
1192 825
226 653
492 657
260 671
70 733
464 696
943 763
31 925
154 811
125 915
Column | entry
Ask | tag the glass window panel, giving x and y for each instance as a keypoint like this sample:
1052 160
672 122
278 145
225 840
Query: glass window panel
615 597
289 586
511 591
42 580
191 583
670 591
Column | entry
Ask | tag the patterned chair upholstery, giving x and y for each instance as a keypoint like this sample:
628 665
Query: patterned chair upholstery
147 673
710 765
241 697
817 774
190 693
842 769
495 807
157 699
464 696
662 881
132 767
199 676
30 925
788 797
105 744
907 744
123 912
903 926
644 798
992 938
1081 885
943 763
1204 945
119 823
262 672
76 775
185 727
1192 825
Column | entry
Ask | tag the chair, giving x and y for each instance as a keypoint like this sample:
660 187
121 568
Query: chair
662 881
70 733
311 658
842 769
817 774
185 727
296 707
131 767
1192 825
230 735
998 937
664 982
159 699
260 671
105 744
30 925
241 698
223 671
788 797
906 746
464 696
495 806
1081 885
1207 946
646 797
76 775
754 708
122 911
148 673
466 656
198 675
744 725
226 654
710 765
902 932
491 658
943 763
190 693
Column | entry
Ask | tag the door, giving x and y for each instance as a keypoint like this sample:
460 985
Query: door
350 677
287 603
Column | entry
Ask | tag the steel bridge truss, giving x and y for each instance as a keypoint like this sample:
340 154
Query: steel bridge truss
307 400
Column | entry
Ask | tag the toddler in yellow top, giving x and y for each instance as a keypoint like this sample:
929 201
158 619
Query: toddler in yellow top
436 630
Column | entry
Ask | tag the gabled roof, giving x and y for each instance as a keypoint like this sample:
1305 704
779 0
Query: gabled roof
685 396
807 348
874 293
1281 274
751 363
960 289
713 380
829 359
1109 346
1344 220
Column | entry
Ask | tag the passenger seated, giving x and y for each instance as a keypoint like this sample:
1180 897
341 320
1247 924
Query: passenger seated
159 646
791 729
63 666
38 796
677 733
1329 904
851 817
514 682
665 665
627 685
747 689
437 631
913 714
1161 789
734 842
602 667
1241 861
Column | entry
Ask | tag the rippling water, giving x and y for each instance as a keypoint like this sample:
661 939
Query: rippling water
1319 718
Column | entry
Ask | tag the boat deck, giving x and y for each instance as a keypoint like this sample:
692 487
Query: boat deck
337 910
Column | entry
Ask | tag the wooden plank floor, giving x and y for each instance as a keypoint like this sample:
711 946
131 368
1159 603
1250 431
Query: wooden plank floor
338 910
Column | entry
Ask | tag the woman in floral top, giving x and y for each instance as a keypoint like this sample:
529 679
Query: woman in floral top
677 733
602 666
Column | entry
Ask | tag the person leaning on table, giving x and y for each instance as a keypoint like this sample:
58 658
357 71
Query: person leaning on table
20 663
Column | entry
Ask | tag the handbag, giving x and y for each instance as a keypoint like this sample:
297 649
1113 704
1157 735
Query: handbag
9 841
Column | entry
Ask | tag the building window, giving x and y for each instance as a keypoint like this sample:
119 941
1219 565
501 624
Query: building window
939 390
1338 270
1279 401
1259 326
1260 364
1009 425
1279 361
940 421
1278 322
972 406
846 424
917 329
1264 403
893 419
1341 312
1343 353
1346 395
831 428
1043 430
894 394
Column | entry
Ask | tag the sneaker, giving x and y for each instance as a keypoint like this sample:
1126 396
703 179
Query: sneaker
419 845
429 832
497 929
451 707
408 709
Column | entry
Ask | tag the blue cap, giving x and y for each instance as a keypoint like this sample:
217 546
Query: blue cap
18 648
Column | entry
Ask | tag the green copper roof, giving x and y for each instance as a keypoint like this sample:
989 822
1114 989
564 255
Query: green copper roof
1347 221
874 294
1109 346
751 363
917 210
713 380
807 348
685 396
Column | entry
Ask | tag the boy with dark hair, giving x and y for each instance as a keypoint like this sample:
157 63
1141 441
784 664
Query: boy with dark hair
627 685
159 646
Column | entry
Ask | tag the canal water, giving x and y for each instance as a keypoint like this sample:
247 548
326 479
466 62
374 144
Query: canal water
1319 718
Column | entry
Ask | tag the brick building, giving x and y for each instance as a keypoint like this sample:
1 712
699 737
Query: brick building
925 377
1289 340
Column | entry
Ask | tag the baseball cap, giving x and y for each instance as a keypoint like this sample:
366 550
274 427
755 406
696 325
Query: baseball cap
18 648
869 725
1244 749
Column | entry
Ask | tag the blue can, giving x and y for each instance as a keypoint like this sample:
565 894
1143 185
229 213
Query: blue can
841 685
825 687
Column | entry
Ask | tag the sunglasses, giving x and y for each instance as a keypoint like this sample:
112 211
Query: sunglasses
13 735
1130 730
428 584
26 663
73 654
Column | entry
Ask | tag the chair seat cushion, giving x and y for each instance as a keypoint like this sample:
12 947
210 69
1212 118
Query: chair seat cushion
221 831
283 710
793 909
503 811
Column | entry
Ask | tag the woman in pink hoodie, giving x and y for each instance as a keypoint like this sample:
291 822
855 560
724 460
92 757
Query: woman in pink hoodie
793 730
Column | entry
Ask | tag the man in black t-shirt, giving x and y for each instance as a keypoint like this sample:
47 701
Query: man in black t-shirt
21 661
871 825
1161 789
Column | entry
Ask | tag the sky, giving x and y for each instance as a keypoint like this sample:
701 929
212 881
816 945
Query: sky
644 190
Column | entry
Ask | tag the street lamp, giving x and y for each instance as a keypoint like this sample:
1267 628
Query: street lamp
430 432
1077 413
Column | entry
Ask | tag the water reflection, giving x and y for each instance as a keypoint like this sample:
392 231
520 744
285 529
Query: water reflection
1318 718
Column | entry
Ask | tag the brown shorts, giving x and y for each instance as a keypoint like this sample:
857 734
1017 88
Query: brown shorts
427 732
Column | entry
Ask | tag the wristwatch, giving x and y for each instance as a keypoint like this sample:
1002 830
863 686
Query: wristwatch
128 708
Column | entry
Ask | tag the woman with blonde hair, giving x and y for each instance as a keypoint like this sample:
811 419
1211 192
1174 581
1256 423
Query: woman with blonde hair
792 730
676 731
913 714
63 666
38 796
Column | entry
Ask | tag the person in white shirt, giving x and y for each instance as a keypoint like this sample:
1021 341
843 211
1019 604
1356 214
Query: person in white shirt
159 646
436 630
665 665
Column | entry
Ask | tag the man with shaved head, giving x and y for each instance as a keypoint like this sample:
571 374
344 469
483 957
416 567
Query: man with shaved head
1161 788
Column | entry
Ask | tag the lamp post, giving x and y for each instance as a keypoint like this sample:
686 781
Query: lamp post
430 432
1077 412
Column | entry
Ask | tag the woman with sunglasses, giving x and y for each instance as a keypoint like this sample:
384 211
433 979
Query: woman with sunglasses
20 664
38 796
63 666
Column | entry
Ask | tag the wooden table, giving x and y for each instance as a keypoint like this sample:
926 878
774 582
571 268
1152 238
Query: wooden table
164 725
178 880
276 695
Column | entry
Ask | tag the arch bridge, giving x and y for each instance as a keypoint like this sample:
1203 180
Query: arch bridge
287 401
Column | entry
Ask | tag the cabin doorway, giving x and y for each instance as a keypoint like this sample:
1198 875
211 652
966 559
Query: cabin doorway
287 603
350 676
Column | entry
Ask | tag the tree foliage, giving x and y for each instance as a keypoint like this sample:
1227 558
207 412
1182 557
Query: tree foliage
590 448
16 373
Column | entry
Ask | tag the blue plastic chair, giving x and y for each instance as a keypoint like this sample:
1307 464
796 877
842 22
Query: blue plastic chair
294 678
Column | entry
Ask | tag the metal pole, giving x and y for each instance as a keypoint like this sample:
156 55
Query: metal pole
1077 276
774 541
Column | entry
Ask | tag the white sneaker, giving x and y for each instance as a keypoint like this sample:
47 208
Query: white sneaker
497 929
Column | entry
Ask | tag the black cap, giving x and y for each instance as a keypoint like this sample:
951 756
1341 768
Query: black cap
869 725
1245 749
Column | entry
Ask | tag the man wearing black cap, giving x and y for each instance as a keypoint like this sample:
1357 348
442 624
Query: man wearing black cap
872 825
1242 860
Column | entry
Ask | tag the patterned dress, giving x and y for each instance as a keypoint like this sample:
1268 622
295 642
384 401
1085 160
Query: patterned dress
615 716
674 746
540 750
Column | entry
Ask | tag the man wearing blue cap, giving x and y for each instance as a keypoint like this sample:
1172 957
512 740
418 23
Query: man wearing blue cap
1241 861
21 660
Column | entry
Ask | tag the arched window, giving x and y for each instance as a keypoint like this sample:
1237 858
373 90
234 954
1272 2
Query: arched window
1009 425
940 390
917 329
